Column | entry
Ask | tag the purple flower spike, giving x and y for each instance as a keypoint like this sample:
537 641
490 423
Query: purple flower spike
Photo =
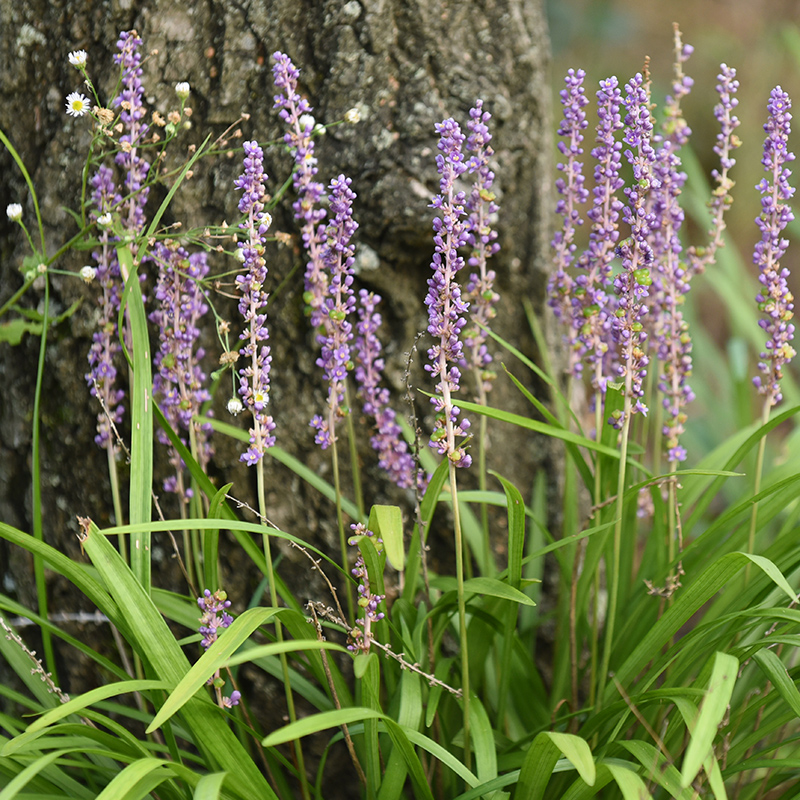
445 306
594 303
727 142
132 114
775 300
179 382
572 193
337 306
392 449
295 111
361 637
631 285
106 346
481 238
254 376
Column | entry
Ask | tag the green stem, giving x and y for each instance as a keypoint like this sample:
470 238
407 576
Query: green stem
762 446
354 466
113 477
36 470
613 594
462 612
337 487
598 486
273 598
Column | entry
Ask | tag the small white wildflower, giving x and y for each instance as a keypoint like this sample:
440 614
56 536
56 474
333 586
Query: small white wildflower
88 274
267 219
239 255
182 89
306 121
77 104
352 116
319 129
41 269
104 220
78 58
235 406
14 212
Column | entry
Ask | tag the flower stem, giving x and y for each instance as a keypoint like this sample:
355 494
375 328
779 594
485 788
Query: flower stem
273 596
613 594
462 612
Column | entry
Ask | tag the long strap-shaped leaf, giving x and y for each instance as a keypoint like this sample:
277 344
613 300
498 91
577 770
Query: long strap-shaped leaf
220 748
690 600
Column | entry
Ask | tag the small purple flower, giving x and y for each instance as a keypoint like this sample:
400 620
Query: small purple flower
446 309
179 381
481 238
294 110
387 441
215 615
338 305
361 636
254 376
775 300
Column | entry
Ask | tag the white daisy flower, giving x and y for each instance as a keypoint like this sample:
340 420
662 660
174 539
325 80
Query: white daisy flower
235 406
104 220
88 274
352 116
14 212
182 89
77 104
78 58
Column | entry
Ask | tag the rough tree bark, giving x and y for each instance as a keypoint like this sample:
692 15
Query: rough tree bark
407 64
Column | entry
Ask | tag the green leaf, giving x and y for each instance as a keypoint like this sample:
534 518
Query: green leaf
319 722
387 522
541 759
516 530
712 711
123 785
487 586
209 787
221 653
141 481
629 782
13 331
77 704
775 670
688 602
482 737
154 641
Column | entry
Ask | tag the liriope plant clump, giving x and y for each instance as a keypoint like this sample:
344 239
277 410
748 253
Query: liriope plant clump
664 665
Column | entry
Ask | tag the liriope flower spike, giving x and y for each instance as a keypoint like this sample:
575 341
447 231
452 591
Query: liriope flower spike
295 111
388 442
446 309
481 207
631 285
254 376
337 307
775 300
179 381
573 194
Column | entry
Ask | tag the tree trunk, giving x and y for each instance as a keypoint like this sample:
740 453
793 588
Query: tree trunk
406 64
